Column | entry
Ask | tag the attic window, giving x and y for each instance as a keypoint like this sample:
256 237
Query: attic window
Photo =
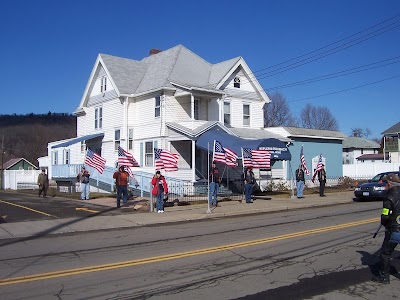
236 82
103 86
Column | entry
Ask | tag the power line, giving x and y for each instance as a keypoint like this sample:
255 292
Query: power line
345 90
320 55
335 74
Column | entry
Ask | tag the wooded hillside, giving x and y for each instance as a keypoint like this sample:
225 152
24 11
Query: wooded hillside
27 135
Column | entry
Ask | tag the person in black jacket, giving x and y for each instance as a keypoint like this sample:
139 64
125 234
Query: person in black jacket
300 181
249 182
322 180
390 219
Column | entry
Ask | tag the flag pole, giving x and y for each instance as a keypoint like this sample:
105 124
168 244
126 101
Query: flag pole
208 178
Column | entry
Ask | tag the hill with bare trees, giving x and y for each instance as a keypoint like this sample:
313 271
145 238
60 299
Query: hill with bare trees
27 135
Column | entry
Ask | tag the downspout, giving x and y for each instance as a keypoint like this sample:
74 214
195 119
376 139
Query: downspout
126 122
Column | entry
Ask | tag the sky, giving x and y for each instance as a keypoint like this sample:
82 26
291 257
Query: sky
49 47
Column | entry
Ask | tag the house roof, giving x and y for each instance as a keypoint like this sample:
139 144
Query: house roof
376 156
393 130
177 64
293 132
250 133
14 161
360 143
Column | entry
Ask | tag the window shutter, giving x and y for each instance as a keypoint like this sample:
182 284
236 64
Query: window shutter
141 154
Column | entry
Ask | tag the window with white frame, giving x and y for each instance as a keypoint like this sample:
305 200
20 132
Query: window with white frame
55 158
157 110
227 113
66 157
196 109
83 146
98 118
117 139
236 82
148 154
246 114
103 84
130 139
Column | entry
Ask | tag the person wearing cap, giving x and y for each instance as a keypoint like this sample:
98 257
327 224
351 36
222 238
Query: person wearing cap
390 219
160 189
215 181
121 181
83 178
43 182
249 182
322 180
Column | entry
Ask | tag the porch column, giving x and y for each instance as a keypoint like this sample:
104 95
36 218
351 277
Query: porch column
193 161
126 123
192 109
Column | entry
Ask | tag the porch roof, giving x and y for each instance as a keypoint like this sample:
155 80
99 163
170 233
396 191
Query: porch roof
278 148
78 139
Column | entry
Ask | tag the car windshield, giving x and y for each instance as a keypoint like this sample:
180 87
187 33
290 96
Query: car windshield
377 178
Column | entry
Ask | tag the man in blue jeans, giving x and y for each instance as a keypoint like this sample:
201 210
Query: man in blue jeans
249 182
215 180
300 181
83 178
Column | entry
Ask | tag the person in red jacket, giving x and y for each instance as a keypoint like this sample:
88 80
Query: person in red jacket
160 188
122 181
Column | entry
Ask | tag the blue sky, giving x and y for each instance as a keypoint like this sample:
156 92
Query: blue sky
49 48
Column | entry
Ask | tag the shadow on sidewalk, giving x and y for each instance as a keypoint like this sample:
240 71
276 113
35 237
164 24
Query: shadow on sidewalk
54 228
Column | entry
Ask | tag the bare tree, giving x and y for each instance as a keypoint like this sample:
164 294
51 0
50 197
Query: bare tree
277 113
317 117
360 132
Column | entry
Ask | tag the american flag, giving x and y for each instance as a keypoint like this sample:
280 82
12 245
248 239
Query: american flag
224 155
318 168
165 160
94 160
126 159
303 162
258 159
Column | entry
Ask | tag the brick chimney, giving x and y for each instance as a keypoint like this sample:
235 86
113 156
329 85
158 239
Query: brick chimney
154 51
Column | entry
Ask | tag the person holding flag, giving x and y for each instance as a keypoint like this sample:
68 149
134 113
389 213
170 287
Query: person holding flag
300 181
215 181
249 181
320 171
300 178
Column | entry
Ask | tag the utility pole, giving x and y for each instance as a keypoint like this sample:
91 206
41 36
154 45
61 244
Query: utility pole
2 163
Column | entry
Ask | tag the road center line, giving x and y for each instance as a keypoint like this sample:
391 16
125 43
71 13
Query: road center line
142 261
27 208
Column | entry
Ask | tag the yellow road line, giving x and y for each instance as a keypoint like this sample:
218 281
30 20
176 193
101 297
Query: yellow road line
87 209
27 208
142 261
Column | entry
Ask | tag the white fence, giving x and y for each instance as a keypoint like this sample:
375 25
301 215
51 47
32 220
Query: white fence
368 170
15 178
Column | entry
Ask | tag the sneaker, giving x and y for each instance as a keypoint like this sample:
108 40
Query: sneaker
161 211
381 279
158 211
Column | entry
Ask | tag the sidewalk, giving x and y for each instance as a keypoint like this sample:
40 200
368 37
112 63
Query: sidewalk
171 215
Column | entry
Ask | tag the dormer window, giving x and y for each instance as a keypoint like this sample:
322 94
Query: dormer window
236 82
103 85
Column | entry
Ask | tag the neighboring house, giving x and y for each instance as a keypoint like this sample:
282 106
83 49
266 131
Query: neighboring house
19 164
391 143
359 150
167 100
314 142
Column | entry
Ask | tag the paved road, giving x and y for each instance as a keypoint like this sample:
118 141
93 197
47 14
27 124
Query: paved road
19 207
318 253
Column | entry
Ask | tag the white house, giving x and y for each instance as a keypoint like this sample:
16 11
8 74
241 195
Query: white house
360 150
166 100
